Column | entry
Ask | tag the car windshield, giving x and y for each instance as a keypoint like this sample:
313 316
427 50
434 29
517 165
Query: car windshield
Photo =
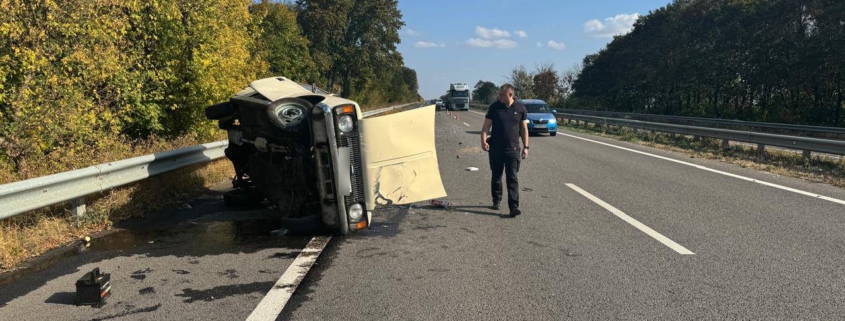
460 94
537 108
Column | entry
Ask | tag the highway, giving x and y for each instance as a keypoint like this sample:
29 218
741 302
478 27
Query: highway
610 230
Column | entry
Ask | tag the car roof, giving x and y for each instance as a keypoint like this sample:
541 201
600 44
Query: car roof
532 101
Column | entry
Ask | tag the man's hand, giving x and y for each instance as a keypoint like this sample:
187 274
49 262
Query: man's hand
524 153
484 130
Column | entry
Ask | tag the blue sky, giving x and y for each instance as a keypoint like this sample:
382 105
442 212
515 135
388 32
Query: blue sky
449 41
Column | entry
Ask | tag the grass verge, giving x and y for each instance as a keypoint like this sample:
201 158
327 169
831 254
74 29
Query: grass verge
29 235
817 168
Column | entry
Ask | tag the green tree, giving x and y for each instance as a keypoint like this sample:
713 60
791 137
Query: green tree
280 42
522 81
352 41
776 61
484 92
546 83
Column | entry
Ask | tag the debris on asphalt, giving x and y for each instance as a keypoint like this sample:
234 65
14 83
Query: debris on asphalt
93 288
184 206
279 232
439 203
472 169
527 189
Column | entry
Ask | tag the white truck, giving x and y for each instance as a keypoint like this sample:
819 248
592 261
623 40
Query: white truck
459 96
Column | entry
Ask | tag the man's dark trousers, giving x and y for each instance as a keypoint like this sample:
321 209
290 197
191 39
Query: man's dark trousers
506 160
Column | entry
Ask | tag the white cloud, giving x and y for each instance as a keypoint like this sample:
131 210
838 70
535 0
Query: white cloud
539 45
498 44
521 34
620 24
423 44
491 33
556 45
411 32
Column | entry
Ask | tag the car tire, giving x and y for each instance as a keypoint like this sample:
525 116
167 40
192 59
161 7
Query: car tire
553 133
308 225
242 199
289 114
219 111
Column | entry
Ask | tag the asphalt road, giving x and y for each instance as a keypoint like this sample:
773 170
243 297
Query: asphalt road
595 242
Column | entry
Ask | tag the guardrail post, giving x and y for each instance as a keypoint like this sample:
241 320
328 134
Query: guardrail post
761 149
726 143
807 154
77 208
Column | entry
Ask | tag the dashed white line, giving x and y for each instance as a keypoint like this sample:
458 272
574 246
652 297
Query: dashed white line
640 226
271 306
789 189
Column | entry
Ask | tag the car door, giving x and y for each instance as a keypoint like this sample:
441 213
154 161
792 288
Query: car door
400 158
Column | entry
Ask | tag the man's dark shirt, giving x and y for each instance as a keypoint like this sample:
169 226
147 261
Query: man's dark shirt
506 124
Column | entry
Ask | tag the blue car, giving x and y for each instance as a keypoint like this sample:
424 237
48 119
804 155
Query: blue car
540 118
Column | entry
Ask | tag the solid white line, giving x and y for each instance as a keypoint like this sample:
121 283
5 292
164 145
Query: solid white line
466 124
640 226
271 306
789 189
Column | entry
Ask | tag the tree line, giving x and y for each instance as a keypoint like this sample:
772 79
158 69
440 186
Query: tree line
757 60
543 82
80 77
772 61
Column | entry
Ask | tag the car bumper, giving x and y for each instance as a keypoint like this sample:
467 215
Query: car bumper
542 128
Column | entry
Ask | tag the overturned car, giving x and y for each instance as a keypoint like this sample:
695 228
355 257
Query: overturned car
314 157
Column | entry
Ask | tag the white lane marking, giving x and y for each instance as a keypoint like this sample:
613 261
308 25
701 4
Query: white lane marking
271 306
640 226
789 189
466 124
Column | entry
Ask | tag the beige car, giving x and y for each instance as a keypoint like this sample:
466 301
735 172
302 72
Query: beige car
316 159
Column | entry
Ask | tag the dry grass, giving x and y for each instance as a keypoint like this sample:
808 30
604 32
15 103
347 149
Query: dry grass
819 169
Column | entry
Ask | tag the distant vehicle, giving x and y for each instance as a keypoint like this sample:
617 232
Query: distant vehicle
541 119
460 96
439 104
316 159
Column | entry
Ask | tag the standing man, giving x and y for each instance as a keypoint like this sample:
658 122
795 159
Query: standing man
509 122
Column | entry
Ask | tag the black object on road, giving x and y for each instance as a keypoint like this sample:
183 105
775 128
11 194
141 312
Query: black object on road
93 288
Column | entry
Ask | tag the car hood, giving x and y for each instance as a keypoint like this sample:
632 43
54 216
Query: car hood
538 116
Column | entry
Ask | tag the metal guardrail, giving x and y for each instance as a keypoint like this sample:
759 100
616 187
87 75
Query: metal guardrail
717 122
386 109
806 144
27 195
31 194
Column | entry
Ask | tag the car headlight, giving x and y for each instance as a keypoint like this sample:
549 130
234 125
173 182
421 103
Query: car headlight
553 121
344 123
356 211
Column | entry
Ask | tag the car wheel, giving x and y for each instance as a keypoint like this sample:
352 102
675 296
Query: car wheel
289 114
553 133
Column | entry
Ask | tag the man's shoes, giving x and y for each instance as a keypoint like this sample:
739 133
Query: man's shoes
495 206
515 212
